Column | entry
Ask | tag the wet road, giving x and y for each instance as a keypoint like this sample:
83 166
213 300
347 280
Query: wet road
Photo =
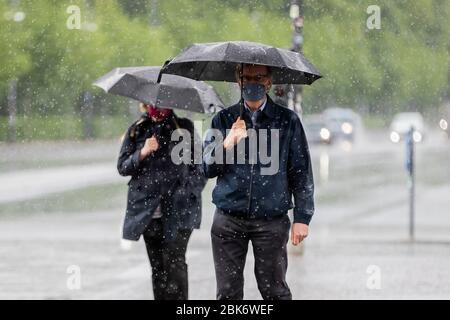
361 225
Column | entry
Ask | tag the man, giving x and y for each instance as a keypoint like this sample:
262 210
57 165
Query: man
252 206
164 199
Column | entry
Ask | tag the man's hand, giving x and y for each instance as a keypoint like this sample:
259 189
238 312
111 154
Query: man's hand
299 231
151 145
238 131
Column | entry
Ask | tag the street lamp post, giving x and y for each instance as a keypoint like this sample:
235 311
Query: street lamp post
410 166
16 16
295 92
154 17
87 115
12 110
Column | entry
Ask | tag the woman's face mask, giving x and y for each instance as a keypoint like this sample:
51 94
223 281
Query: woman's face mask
158 114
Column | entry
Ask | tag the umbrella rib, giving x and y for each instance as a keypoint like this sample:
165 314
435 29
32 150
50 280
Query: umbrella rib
139 83
281 57
203 69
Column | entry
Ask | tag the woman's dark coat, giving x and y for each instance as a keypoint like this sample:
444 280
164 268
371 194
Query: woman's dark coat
157 179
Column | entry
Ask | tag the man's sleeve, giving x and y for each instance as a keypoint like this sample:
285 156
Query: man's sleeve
300 175
197 180
213 143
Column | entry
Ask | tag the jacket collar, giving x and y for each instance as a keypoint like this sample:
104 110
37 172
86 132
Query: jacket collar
270 109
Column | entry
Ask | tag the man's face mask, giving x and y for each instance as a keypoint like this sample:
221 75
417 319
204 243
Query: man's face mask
253 91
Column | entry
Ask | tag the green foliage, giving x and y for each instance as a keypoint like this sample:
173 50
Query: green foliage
65 127
404 65
14 58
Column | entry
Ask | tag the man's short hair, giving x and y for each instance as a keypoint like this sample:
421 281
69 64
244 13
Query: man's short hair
239 69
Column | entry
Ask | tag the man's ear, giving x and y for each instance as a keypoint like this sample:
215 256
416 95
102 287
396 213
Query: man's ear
269 86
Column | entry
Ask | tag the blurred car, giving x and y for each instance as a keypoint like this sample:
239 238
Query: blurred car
316 130
402 123
343 123
444 122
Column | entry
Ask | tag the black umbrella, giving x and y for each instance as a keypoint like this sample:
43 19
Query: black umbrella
141 83
217 61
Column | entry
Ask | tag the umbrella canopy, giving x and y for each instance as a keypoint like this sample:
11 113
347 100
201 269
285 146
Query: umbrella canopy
217 62
141 83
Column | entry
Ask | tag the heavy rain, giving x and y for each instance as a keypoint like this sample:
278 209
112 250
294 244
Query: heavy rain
101 99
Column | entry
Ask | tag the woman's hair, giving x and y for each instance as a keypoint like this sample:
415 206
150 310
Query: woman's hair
142 107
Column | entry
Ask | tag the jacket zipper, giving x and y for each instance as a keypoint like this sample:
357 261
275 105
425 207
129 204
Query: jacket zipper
250 190
251 184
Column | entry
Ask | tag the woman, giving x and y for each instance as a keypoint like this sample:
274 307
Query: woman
164 199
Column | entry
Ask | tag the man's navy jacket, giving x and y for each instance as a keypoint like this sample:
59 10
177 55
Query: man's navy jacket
241 189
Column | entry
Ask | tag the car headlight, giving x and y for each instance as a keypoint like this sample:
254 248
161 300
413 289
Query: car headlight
325 133
417 136
443 124
395 137
347 128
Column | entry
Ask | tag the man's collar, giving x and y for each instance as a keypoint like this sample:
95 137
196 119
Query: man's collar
270 109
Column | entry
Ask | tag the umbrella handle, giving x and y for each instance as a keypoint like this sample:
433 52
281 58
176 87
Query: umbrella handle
241 75
159 77
158 126
161 71
156 131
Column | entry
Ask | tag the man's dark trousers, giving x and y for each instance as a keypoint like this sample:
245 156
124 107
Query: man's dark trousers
269 236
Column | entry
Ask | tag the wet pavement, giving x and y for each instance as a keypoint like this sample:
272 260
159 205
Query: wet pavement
358 248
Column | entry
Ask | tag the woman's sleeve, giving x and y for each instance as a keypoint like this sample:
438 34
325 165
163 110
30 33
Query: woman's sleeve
128 162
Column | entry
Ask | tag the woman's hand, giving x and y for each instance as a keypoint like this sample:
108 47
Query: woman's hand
150 146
